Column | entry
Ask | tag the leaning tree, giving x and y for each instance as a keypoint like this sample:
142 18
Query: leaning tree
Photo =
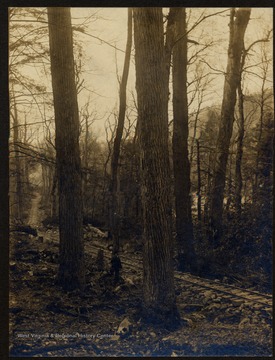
238 23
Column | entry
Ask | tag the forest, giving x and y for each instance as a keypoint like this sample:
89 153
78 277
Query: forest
140 181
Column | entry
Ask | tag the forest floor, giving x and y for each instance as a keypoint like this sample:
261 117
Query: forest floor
104 321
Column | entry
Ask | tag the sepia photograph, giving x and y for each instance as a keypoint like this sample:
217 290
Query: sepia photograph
140 181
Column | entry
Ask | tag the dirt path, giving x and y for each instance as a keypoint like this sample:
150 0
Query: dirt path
34 213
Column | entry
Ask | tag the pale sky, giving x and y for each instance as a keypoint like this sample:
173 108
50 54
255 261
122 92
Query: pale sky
114 30
110 24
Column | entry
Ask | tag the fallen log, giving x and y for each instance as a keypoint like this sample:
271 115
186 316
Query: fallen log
24 228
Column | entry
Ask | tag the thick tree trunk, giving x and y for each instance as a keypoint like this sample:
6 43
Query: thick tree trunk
71 268
114 208
152 98
184 223
238 23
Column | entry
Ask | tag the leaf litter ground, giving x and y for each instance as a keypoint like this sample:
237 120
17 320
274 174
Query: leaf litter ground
104 321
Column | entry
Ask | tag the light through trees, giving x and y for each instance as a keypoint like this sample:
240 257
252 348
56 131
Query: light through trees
184 150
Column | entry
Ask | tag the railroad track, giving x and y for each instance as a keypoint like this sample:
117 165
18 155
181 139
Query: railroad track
251 298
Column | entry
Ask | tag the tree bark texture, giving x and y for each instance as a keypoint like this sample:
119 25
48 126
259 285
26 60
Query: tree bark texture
71 267
152 99
114 208
238 22
184 224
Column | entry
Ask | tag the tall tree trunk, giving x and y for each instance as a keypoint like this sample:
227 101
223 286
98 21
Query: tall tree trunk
206 209
194 136
71 268
114 208
199 180
200 101
25 172
229 187
54 195
256 171
184 223
44 184
85 163
239 153
152 99
18 207
238 23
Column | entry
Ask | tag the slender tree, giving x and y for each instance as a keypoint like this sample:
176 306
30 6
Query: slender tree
264 99
241 123
239 152
114 208
238 22
152 100
265 157
71 267
18 206
85 161
199 180
54 196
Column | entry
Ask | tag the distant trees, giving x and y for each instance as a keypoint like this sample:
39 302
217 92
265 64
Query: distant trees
71 268
152 100
264 165
241 117
207 140
25 49
238 22
263 101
